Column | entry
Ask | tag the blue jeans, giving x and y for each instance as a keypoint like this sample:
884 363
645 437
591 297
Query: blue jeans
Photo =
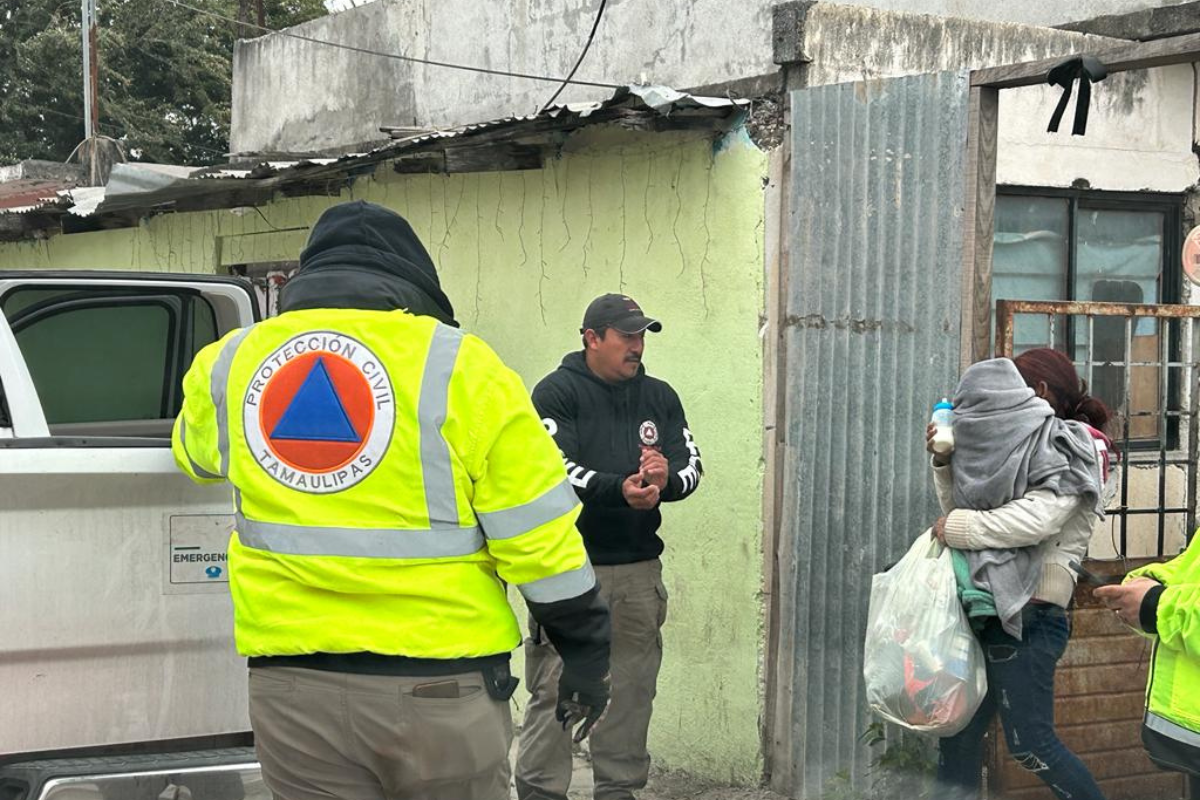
1020 677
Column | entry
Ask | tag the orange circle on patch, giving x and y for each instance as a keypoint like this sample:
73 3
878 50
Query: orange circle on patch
317 412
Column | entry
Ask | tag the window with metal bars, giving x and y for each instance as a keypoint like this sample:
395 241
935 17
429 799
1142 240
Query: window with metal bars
1151 502
1089 246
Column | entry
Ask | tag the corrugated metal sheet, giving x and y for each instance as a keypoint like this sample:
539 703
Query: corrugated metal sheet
141 186
872 341
660 99
29 194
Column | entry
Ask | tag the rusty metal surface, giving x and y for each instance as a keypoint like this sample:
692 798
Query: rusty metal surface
1081 308
28 194
1008 310
1174 352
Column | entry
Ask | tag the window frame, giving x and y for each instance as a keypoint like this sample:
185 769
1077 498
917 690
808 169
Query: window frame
1170 283
179 302
170 351
1170 204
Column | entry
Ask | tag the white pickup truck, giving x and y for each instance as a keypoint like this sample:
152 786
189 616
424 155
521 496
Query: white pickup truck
118 675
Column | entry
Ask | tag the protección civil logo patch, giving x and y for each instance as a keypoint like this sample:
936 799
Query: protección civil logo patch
319 412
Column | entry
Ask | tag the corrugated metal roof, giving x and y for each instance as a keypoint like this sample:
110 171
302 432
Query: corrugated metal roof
29 194
136 187
872 341
660 99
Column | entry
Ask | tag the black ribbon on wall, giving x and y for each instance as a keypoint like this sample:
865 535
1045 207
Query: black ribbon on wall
1085 69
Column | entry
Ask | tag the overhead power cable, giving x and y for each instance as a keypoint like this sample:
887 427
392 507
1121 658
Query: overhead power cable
587 45
113 127
396 56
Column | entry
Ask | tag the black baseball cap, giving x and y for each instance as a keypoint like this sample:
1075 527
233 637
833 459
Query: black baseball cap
620 312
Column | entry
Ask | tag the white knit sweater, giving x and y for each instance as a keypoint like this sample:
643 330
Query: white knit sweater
1060 526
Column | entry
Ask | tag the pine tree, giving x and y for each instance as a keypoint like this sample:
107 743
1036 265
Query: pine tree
165 76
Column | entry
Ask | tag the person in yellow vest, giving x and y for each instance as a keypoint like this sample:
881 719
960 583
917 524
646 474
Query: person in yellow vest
1164 600
390 477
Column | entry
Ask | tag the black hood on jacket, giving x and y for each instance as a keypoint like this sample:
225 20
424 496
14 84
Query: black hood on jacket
362 255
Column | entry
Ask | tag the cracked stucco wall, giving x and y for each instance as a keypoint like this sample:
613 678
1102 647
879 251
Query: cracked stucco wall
675 220
294 96
1139 134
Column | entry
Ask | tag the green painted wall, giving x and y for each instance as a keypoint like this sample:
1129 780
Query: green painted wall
675 221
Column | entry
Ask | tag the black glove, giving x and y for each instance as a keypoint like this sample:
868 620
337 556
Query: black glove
581 701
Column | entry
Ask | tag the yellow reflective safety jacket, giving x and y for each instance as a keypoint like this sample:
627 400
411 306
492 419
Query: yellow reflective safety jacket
390 476
1171 731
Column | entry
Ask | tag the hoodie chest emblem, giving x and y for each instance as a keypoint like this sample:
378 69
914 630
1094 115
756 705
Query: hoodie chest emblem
648 433
319 412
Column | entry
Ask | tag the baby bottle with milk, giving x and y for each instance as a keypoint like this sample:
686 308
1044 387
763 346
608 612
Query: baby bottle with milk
943 421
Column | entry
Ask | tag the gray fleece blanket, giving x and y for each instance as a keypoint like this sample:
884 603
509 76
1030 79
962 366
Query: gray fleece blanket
1007 442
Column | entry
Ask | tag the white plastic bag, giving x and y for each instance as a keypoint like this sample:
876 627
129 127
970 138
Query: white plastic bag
923 666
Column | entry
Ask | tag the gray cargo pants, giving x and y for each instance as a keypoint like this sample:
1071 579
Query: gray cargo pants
637 600
322 735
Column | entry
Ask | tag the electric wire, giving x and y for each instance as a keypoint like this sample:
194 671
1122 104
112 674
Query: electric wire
587 46
396 56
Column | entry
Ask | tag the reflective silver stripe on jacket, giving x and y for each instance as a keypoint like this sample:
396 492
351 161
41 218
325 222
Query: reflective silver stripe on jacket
444 537
436 467
219 389
1172 730
559 587
517 520
304 540
200 471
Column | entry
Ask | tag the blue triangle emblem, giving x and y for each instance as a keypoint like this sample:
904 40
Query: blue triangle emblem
316 413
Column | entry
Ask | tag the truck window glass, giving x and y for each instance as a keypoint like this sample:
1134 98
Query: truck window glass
109 362
204 327
100 364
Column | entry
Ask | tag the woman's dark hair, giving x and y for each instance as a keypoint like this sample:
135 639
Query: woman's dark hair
1068 393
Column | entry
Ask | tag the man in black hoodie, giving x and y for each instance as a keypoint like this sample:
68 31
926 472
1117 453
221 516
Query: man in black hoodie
627 448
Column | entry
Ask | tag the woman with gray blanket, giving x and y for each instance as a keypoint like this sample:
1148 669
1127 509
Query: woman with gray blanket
1021 492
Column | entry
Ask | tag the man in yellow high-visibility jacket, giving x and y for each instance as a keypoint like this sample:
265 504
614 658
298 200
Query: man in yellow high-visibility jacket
390 477
1164 600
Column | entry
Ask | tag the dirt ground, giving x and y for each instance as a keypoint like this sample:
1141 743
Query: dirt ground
668 786
674 786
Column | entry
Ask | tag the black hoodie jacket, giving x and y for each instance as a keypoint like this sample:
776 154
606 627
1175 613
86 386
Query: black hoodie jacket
362 255
600 428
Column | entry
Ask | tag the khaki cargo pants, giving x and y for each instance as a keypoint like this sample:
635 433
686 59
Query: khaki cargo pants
620 764
322 735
